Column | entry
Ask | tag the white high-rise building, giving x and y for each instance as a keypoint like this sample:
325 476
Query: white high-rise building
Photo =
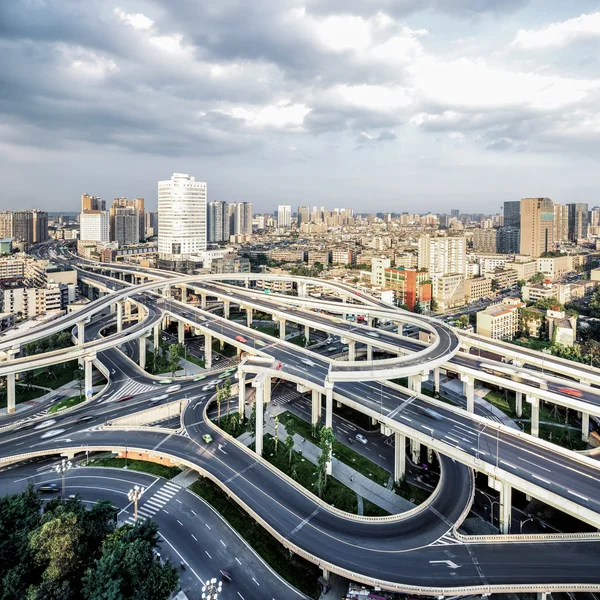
181 217
94 226
242 219
443 255
284 216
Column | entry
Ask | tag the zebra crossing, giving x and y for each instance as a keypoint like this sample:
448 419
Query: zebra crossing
286 397
132 388
447 540
156 502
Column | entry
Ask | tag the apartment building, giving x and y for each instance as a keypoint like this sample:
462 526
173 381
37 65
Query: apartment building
478 288
411 287
537 226
485 240
500 321
449 290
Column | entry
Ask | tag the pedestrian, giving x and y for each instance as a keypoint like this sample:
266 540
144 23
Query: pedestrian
351 478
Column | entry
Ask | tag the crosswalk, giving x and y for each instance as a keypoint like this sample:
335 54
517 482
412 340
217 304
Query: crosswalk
286 397
150 506
447 540
132 388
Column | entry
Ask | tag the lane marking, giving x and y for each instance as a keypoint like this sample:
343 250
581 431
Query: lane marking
532 463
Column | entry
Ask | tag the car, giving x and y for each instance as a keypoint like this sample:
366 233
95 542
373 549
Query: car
207 438
86 419
45 424
239 338
226 575
331 349
361 438
199 378
346 348
570 392
166 381
159 398
58 397
48 488
430 413
307 361
260 343
124 398
52 433
224 375
173 388
24 426
372 334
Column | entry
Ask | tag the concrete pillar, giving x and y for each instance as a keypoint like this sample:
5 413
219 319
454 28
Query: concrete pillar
226 309
306 334
184 297
399 456
369 352
156 331
180 332
119 317
203 301
326 574
248 316
167 291
329 418
127 308
81 333
415 451
370 321
10 393
87 365
241 391
505 507
414 383
519 404
535 415
142 351
351 350
541 595
207 350
400 328
585 426
282 329
469 391
263 395
302 290
436 380
315 415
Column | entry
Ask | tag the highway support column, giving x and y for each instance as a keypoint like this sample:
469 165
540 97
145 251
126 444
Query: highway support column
180 332
80 333
282 329
241 391
469 391
207 350
414 383
10 393
585 426
351 350
535 415
156 331
329 418
369 353
415 451
184 296
315 414
202 301
262 383
399 456
119 316
436 381
505 507
87 367
306 335
301 290
248 316
226 307
142 351
519 404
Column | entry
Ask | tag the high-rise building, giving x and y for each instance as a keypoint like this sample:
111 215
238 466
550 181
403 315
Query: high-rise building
512 213
181 217
284 216
6 224
595 216
561 223
124 225
578 221
214 222
92 203
484 240
137 204
242 219
455 212
303 215
443 255
150 224
94 226
537 226
508 240
29 226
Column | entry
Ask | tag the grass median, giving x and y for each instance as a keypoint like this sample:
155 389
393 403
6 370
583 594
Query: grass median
66 403
137 465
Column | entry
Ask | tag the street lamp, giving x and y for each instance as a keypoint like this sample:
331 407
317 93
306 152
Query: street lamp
134 495
211 589
521 523
64 466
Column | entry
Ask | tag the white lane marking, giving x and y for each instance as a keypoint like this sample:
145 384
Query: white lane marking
540 478
207 554
578 495
224 545
238 560
256 582
181 557
178 500
165 511
451 439
207 525
125 509
195 538
194 513
242 597
534 464
180 522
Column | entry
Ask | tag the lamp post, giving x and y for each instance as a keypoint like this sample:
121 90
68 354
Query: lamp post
64 466
134 495
521 523
211 589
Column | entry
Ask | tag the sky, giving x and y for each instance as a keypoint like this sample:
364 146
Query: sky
377 105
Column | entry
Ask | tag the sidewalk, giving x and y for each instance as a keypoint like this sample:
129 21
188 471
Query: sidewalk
363 486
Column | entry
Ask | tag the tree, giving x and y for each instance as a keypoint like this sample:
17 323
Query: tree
227 393
537 278
219 400
251 422
175 354
326 438
28 377
463 321
434 305
289 448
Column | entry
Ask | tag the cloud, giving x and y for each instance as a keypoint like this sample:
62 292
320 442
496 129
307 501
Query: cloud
562 33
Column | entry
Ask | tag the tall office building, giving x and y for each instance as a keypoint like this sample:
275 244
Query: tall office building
94 226
29 226
124 225
561 223
150 224
214 222
92 203
512 213
137 204
595 216
537 226
303 215
6 224
578 221
443 255
181 217
455 212
484 240
242 219
508 240
284 216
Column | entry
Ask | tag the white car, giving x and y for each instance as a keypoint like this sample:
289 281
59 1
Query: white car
372 334
158 398
52 433
361 438
307 361
173 388
45 424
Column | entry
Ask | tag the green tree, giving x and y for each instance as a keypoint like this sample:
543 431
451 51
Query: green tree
219 399
175 354
289 448
227 393
463 321
326 438
537 278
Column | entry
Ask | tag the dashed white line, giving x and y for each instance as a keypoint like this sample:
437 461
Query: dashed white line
578 495
194 514
207 525
178 500
532 463
256 582
222 542
207 554
242 597
165 511
195 538
180 522
451 439
238 560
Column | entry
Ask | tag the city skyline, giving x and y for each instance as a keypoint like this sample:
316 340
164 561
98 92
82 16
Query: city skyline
337 102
